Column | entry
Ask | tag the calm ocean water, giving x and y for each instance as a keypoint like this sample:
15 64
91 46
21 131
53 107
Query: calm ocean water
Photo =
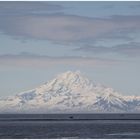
41 126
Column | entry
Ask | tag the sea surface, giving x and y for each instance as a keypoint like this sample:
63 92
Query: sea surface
45 126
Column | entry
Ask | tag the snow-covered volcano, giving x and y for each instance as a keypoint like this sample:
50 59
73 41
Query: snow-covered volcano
69 92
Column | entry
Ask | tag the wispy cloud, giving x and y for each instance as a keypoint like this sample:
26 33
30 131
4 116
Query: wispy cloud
21 8
66 28
42 21
32 60
129 49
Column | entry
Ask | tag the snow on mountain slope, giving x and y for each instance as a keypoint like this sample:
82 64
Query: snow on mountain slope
69 92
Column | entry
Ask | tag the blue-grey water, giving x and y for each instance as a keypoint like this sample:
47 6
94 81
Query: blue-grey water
70 126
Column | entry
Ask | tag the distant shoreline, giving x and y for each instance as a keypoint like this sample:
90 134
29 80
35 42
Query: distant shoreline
65 117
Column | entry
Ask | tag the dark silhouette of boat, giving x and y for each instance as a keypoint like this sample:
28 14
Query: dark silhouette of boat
71 117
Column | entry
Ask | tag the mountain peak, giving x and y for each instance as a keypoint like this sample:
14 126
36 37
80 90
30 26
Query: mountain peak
70 75
73 78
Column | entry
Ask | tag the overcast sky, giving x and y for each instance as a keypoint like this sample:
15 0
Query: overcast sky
39 40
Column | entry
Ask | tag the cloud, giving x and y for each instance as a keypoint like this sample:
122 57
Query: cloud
135 5
40 21
21 8
38 61
61 28
129 49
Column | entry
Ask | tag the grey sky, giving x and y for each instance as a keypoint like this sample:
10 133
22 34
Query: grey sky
38 40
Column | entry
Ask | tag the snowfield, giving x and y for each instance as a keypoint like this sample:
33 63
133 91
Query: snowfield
70 92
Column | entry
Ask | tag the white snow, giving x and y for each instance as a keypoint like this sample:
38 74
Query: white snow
70 92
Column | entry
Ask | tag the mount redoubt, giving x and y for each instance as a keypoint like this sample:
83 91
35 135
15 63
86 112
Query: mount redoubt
70 92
